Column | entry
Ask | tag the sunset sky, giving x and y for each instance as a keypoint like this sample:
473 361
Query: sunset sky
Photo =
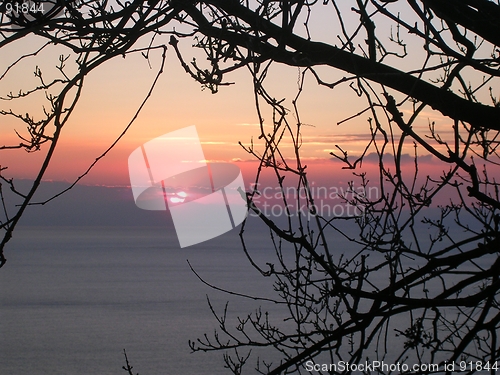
114 91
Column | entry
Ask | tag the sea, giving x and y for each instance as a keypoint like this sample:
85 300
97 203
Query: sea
73 298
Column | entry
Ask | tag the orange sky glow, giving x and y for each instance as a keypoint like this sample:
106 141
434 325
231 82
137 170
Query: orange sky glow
113 93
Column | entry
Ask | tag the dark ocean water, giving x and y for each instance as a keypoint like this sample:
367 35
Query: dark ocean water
73 298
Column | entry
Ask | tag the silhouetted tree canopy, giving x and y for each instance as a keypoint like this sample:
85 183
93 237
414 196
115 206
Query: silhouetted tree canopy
422 285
